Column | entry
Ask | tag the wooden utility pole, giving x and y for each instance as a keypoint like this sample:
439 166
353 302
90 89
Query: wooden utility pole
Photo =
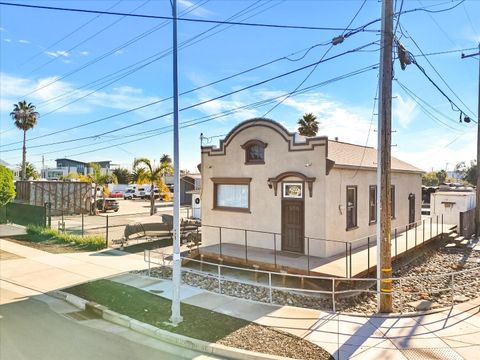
384 259
477 209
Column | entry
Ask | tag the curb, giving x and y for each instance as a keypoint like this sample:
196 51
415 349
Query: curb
163 335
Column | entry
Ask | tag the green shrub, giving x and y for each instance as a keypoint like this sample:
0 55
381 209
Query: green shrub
40 234
7 189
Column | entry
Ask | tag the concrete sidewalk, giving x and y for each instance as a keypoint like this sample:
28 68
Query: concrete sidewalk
45 272
449 334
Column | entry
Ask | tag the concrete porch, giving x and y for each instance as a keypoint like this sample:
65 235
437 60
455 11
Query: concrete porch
355 261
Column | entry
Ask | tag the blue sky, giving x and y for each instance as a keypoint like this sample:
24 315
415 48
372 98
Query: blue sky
63 62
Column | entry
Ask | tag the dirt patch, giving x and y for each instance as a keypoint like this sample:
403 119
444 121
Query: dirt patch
53 248
262 339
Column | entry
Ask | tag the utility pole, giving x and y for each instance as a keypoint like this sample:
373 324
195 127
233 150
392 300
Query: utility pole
176 317
477 208
384 259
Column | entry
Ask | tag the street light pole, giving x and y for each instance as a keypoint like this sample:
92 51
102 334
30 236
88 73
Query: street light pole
477 208
176 317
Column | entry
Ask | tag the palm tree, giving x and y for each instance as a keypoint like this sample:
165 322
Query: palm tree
165 159
25 118
153 174
308 125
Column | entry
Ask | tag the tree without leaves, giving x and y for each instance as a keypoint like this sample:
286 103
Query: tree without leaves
308 125
25 118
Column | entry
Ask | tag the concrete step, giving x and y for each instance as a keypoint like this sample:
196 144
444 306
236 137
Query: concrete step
459 238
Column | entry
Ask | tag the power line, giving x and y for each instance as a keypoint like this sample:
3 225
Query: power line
105 28
439 75
278 26
168 98
203 102
161 54
422 103
250 106
108 53
68 35
341 38
187 92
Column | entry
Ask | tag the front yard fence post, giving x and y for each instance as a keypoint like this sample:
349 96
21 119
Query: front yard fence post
401 295
423 231
308 256
416 228
368 256
106 232
270 287
452 286
442 226
350 245
346 259
436 234
430 228
83 224
63 220
396 250
406 239
246 247
220 239
149 254
275 249
219 281
333 294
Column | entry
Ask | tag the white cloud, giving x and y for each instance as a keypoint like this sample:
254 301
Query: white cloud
58 53
7 40
404 111
199 11
3 29
24 41
118 52
440 151
121 98
84 53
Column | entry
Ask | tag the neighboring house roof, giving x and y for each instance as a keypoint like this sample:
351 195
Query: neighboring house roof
193 176
358 156
102 164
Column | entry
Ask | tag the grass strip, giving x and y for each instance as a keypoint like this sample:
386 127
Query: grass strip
199 323
39 234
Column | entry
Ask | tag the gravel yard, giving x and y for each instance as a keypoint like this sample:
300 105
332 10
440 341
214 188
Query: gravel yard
426 284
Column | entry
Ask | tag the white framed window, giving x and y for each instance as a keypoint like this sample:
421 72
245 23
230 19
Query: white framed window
231 194
293 190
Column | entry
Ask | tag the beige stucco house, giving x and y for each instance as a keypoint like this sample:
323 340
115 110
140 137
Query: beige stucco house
286 189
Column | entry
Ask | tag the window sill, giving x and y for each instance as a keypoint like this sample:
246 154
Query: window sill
259 162
351 228
232 209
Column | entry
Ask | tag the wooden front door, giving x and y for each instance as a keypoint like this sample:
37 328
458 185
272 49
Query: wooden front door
293 225
411 208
